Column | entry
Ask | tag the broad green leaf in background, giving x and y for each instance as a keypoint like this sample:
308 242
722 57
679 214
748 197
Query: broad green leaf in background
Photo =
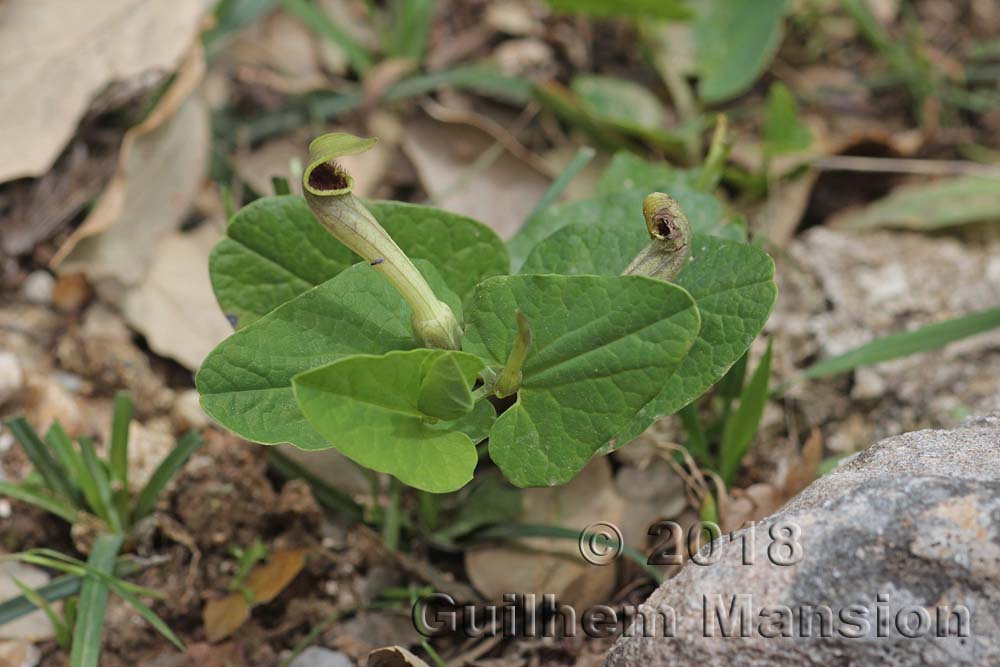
617 106
945 203
627 171
622 211
614 125
601 348
246 381
734 42
275 249
636 9
731 282
741 427
783 131
377 410
621 102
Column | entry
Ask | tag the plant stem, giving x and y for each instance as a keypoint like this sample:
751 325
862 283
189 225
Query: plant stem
718 152
391 520
429 509
509 380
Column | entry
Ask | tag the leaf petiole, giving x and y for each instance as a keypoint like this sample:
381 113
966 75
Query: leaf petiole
509 380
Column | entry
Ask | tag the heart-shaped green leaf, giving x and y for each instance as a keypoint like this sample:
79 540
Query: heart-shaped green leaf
627 171
464 251
275 249
246 381
475 424
623 189
732 283
379 411
602 347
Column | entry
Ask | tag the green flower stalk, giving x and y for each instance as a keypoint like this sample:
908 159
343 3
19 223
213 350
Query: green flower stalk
669 246
328 190
509 380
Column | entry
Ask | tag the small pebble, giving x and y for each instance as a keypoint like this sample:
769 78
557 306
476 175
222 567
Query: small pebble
11 377
187 413
38 287
18 653
316 656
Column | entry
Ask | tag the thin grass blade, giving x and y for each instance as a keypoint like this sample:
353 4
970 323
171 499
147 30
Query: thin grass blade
50 504
69 457
118 454
99 477
741 427
148 614
58 624
169 466
56 478
319 22
924 339
89 626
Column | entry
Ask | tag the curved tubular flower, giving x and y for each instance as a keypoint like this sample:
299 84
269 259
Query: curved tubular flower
670 239
328 190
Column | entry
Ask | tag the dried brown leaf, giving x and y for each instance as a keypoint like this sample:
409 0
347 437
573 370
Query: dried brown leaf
174 306
394 656
161 165
224 616
267 581
454 171
56 57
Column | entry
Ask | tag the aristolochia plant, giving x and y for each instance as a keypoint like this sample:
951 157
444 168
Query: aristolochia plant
396 333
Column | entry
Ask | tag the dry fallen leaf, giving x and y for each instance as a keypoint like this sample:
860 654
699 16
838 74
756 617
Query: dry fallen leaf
57 56
549 565
394 656
266 581
448 159
39 207
173 306
162 163
279 52
224 616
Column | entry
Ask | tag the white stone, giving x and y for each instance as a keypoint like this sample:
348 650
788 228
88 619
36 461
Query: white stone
11 377
316 656
187 411
38 287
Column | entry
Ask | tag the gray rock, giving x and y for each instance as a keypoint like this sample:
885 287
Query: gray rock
839 289
316 656
903 539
